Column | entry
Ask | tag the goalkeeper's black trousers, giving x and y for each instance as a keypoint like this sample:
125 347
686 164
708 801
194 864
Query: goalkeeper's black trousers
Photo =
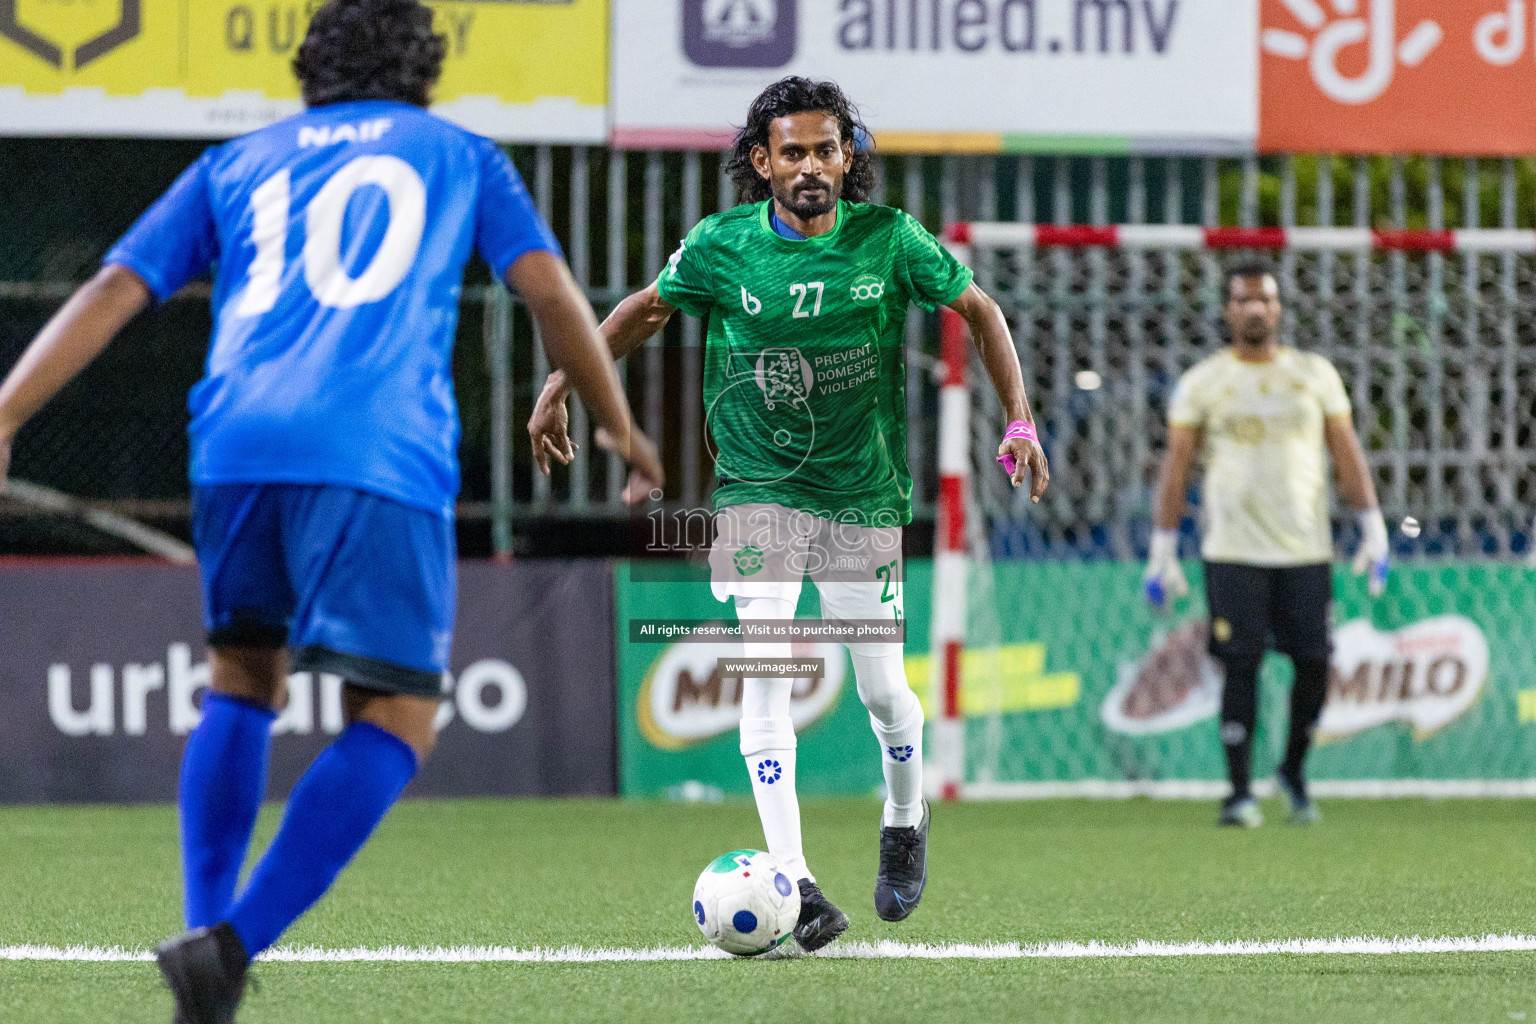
1252 606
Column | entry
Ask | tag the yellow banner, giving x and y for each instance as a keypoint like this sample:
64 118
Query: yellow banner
515 70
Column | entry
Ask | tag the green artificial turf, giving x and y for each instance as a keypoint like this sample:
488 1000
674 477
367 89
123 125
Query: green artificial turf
601 873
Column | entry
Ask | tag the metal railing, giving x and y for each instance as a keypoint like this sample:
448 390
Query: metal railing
619 214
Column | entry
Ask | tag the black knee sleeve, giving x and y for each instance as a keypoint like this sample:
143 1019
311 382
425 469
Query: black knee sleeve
1239 699
1308 695
1239 713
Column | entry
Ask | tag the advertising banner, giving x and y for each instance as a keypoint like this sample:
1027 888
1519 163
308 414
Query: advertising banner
949 75
1431 681
1395 76
1434 682
679 713
102 665
515 69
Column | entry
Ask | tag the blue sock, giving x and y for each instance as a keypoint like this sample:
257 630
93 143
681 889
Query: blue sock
330 815
223 780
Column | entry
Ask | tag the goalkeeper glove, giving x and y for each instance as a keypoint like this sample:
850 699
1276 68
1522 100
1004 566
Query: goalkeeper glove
1374 553
1164 577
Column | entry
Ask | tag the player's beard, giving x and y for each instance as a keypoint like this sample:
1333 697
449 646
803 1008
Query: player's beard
793 197
1256 333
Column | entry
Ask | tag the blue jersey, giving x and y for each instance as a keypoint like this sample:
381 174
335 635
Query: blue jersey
340 238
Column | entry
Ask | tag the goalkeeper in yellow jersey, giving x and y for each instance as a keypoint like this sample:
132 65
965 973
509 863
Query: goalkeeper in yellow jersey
1264 418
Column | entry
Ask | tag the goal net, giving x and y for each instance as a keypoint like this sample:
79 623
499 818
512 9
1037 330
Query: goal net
1049 671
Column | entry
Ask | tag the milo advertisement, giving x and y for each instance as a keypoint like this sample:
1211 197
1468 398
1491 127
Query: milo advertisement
1431 681
679 710
1072 682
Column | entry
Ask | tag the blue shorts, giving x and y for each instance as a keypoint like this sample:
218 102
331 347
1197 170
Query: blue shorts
357 584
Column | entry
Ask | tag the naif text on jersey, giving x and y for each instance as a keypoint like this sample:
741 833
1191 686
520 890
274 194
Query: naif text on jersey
330 135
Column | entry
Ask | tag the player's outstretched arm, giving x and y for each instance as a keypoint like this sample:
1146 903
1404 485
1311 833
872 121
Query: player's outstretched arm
989 329
570 336
77 334
1359 489
1164 577
632 321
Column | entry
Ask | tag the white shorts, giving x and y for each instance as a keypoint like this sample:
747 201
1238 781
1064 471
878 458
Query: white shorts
764 550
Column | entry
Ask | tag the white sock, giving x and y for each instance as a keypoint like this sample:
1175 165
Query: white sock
773 786
768 743
897 718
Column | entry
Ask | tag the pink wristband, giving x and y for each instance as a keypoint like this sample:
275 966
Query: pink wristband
1018 428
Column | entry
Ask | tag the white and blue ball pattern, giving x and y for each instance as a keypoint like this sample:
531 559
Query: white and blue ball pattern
745 903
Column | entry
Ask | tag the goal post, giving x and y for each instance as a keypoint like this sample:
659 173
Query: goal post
950 600
963 238
1431 330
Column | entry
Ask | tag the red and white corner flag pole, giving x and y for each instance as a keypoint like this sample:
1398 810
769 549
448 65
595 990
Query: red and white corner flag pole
949 559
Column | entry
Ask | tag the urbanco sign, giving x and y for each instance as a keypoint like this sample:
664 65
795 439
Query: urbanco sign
98 705
489 696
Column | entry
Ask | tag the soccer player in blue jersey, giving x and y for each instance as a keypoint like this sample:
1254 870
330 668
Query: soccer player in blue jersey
324 441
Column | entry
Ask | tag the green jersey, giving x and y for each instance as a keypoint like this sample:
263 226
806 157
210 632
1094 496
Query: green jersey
804 362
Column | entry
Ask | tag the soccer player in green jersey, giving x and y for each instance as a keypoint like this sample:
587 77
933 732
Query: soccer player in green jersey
805 287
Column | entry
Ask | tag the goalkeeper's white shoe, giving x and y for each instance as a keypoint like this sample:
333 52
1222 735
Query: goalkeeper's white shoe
1303 810
1241 813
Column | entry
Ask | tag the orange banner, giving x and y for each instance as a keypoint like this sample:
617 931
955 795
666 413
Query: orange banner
1456 77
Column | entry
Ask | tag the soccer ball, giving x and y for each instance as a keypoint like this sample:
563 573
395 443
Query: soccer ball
745 903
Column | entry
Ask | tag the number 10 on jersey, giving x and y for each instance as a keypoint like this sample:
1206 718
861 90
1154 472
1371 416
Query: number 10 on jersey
328 281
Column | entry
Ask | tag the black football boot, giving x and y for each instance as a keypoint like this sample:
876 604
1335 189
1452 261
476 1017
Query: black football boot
903 868
205 970
820 922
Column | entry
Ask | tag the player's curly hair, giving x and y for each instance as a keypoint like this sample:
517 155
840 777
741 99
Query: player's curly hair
796 95
370 50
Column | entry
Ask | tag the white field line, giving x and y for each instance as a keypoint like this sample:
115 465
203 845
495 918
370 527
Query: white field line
1182 789
887 950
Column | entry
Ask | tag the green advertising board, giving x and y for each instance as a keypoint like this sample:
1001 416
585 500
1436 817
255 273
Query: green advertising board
1071 678
678 717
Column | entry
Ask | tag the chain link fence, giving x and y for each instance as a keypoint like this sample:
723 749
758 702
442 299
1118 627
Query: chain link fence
1438 352
1437 349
